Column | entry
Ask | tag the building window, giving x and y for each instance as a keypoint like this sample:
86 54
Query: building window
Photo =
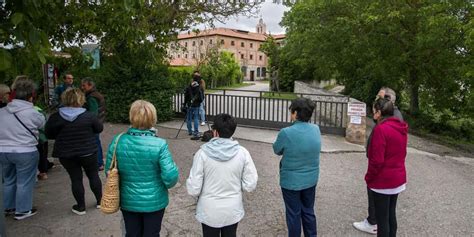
194 43
222 41
202 55
232 43
258 72
210 41
251 56
186 55
264 71
179 55
251 45
260 57
185 44
194 55
202 42
242 44
241 56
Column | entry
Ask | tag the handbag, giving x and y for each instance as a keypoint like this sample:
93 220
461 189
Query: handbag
110 202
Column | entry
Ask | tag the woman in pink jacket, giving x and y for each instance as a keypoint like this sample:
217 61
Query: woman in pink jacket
386 174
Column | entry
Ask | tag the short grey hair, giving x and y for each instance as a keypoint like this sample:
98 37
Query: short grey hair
4 90
24 88
89 81
390 93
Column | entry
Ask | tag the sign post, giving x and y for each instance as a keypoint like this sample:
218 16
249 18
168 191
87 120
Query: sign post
356 127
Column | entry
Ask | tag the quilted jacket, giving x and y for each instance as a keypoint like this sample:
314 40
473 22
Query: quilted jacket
146 170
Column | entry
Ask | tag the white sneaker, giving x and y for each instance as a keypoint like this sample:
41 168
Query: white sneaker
365 226
203 123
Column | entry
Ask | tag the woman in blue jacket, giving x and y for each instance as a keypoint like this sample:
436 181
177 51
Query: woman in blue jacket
147 171
300 145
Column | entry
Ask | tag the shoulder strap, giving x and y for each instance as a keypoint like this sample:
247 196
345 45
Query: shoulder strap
25 127
113 164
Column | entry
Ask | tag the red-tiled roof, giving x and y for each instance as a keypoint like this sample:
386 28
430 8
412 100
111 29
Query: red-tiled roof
230 33
181 62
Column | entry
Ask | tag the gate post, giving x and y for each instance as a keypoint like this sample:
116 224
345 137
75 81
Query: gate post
356 123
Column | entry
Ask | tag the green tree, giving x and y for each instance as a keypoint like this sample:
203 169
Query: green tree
271 49
423 47
221 69
40 25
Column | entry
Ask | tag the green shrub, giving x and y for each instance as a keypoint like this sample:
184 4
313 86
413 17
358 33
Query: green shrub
180 77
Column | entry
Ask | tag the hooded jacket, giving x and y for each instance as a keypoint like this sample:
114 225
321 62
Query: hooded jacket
221 170
387 152
14 137
193 95
74 130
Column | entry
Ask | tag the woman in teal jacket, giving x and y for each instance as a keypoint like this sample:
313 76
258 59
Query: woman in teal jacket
300 145
146 170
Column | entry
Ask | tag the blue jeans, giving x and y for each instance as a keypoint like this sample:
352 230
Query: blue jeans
202 112
19 176
100 156
193 114
299 207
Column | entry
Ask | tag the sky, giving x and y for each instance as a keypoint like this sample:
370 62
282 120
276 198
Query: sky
270 12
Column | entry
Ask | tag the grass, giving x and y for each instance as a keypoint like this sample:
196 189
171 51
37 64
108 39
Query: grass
280 95
234 86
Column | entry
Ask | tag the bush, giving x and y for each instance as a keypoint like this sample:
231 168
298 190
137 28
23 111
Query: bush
180 77
127 77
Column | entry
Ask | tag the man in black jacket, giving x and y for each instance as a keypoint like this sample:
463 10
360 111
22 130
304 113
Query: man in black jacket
193 98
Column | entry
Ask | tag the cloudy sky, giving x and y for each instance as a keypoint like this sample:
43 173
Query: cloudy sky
270 12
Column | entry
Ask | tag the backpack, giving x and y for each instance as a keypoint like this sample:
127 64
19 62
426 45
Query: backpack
207 136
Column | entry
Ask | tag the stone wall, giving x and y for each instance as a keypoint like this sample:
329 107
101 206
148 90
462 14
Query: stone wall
355 133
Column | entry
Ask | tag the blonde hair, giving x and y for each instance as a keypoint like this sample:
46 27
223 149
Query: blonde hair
73 97
142 115
4 90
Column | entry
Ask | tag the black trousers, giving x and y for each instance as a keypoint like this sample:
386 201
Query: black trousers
146 224
226 231
74 168
43 163
385 213
370 197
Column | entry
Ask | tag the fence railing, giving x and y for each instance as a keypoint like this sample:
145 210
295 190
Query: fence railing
256 110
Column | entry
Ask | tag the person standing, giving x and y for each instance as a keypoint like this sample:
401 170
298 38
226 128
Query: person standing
386 173
68 81
95 103
18 153
193 99
221 170
74 130
202 84
300 145
369 225
147 171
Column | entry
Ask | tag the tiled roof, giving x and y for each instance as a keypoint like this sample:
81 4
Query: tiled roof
181 62
228 32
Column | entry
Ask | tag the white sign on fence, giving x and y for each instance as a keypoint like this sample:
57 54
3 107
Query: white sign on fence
356 109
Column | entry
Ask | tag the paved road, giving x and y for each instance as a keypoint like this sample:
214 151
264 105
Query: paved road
258 86
438 200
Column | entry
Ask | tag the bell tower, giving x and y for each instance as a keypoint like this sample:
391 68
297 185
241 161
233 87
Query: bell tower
261 27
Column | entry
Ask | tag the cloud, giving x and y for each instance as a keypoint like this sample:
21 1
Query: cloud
270 12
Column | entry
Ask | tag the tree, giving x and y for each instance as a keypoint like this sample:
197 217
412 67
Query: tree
40 25
271 49
423 47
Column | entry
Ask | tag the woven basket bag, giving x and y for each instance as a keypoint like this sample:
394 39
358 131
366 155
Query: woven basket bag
110 202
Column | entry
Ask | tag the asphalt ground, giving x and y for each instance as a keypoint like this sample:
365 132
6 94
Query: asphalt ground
438 200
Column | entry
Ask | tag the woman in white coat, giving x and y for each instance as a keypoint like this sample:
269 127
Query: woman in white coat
227 169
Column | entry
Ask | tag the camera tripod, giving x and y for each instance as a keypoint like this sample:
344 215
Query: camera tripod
186 119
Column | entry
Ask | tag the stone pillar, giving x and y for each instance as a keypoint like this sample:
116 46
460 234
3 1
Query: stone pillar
356 123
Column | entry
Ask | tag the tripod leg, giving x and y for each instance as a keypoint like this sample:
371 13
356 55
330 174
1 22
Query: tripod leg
185 120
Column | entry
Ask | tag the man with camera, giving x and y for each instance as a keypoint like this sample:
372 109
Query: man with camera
202 84
193 98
